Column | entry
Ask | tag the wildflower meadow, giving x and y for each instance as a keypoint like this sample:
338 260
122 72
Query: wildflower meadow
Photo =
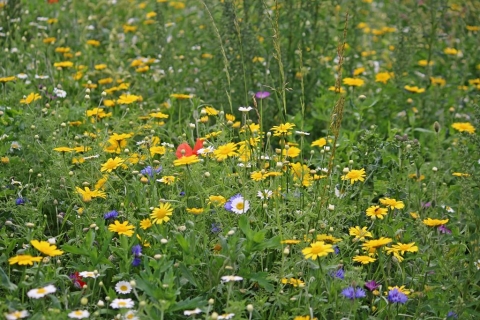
240 159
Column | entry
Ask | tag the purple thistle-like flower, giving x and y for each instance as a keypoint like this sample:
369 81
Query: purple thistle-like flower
340 274
353 293
137 250
262 94
371 285
444 229
136 262
19 201
396 296
149 171
426 205
110 215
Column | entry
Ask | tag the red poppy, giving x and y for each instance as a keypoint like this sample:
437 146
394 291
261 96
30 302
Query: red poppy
184 150
52 1
77 280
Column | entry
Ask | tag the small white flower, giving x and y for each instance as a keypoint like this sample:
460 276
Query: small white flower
17 315
22 76
59 93
79 314
52 241
43 19
448 209
265 194
237 204
122 303
41 77
130 315
15 146
123 287
166 144
244 109
207 150
331 207
41 292
192 312
226 316
478 264
231 278
302 133
88 274
338 192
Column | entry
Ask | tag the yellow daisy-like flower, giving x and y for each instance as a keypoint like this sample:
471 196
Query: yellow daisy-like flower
383 77
122 228
168 180
24 259
30 98
403 247
450 51
364 259
375 212
195 210
402 289
161 214
63 149
181 96
304 318
317 249
392 203
145 223
46 248
414 89
111 164
283 129
161 150
464 127
183 161
290 241
319 142
127 99
328 238
355 175
88 195
460 174
434 222
217 200
372 245
291 152
257 176
354 82
63 64
211 111
225 151
360 233
294 282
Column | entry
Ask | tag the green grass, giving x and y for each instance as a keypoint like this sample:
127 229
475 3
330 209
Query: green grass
341 78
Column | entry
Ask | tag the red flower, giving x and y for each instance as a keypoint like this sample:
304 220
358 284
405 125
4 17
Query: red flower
184 150
77 280
52 1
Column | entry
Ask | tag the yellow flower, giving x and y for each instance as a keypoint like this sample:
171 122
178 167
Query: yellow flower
360 234
181 96
49 40
195 210
290 241
63 64
375 212
319 142
8 79
93 43
354 82
225 151
122 228
450 51
145 223
328 238
358 71
392 203
211 111
460 174
88 195
46 248
111 164
414 89
291 152
304 318
464 126
424 63
30 98
217 200
283 129
383 77
294 282
317 249
63 149
434 222
168 180
355 175
438 81
161 214
24 259
127 99
101 183
403 247
100 66
257 176
402 289
372 245
339 90
157 150
158 115
364 259
186 160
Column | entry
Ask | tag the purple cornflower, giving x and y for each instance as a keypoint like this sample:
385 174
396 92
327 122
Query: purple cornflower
19 201
371 285
396 296
136 261
352 293
215 228
137 250
340 274
149 171
262 94
336 250
444 229
452 314
426 205
110 215
182 193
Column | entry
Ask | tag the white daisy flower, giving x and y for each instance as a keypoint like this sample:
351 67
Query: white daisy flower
478 264
244 109
15 146
226 316
448 209
43 77
122 303
79 314
17 315
192 312
130 315
89 274
231 278
237 204
41 292
302 133
59 93
123 287
265 194
22 76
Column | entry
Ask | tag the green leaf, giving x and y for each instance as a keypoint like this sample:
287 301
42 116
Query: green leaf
5 281
187 274
75 250
183 243
261 279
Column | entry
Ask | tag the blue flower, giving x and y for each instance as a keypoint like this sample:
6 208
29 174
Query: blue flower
136 261
149 171
340 274
19 201
352 293
396 296
237 204
336 249
110 215
215 228
452 314
137 250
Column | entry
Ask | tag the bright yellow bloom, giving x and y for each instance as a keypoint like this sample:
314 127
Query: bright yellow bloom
360 234
24 259
355 175
317 249
128 99
403 247
111 164
161 214
210 111
319 142
464 126
100 66
358 71
392 203
383 77
460 174
63 64
181 96
257 176
217 200
46 248
450 51
225 151
364 259
438 81
291 152
294 282
290 241
283 129
375 212
424 63
372 245
168 180
328 238
195 210
186 160
30 98
93 43
402 289
122 228
304 318
63 149
434 222
88 195
414 89
145 223
354 82
157 150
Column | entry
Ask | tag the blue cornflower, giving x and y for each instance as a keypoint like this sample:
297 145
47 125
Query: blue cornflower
452 314
19 201
215 228
149 171
340 274
110 215
336 249
136 261
352 293
396 296
182 193
137 250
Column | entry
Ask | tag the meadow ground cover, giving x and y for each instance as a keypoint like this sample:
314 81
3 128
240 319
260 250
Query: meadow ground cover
239 159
